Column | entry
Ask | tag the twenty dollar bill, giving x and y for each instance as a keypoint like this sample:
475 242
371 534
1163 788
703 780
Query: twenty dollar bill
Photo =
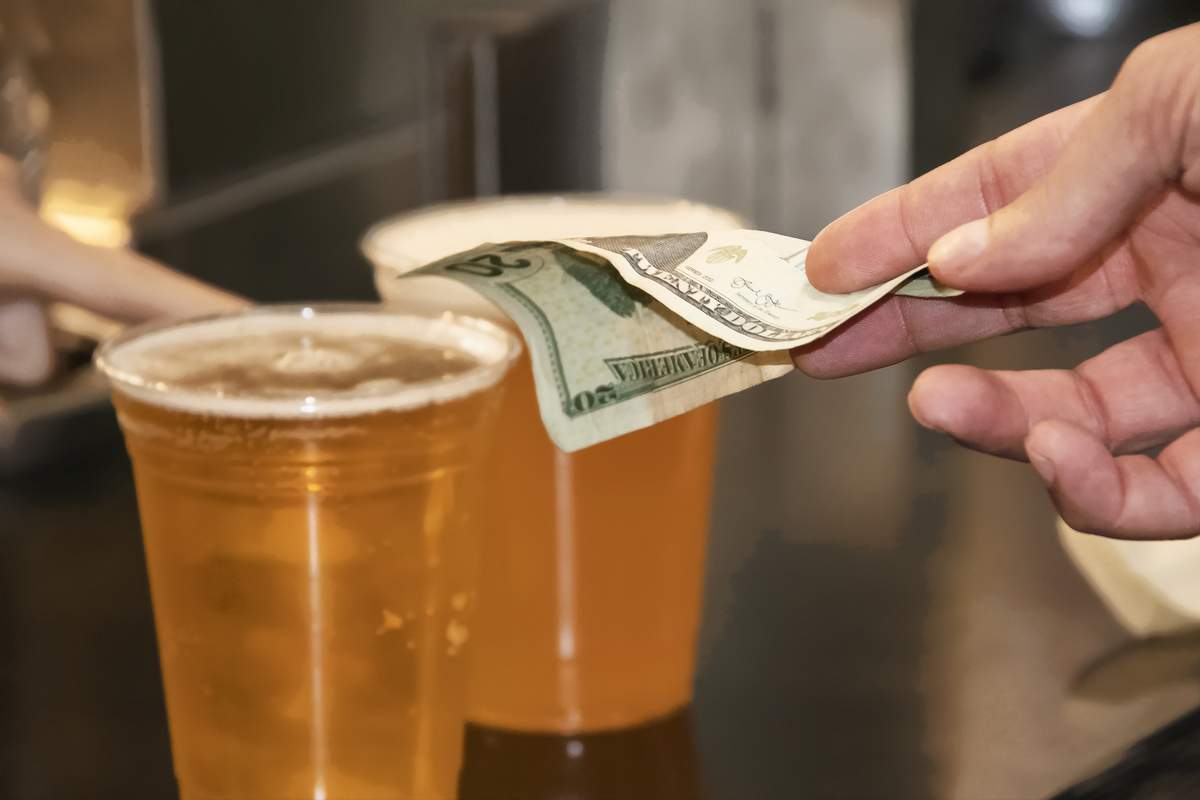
624 332
749 288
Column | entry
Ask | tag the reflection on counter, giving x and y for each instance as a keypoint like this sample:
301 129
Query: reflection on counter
651 762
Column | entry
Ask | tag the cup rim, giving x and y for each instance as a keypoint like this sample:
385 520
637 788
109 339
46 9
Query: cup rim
377 256
168 394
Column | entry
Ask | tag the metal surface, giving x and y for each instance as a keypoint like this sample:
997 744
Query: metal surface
24 112
97 66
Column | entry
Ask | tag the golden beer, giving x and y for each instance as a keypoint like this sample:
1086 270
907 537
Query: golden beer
307 487
589 600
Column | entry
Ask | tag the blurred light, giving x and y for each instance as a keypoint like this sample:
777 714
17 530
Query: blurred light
1086 17
94 230
90 214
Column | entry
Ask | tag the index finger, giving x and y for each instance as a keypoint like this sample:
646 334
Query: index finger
892 233
39 260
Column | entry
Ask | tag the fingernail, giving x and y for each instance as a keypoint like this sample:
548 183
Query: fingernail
918 408
959 247
1043 465
924 422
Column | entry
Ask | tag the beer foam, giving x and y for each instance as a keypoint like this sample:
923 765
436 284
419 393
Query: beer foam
304 362
412 239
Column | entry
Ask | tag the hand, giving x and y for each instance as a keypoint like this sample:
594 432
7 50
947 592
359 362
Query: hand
1067 219
39 263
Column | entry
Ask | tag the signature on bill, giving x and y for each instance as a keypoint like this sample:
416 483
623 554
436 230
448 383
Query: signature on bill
762 298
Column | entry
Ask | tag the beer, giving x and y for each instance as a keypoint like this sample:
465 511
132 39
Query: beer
590 592
306 485
593 561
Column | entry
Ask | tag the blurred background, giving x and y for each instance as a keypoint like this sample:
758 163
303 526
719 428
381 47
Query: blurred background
887 616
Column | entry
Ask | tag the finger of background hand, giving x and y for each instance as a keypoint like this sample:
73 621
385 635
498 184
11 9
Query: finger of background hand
114 282
893 232
126 286
1123 153
1130 397
1129 497
26 355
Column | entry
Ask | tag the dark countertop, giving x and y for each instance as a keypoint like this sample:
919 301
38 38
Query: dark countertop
819 669
1163 766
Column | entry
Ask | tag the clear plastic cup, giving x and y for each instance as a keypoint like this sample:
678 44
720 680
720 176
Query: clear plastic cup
594 560
307 481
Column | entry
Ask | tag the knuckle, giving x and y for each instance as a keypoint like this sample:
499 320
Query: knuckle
1159 91
1176 47
1146 56
993 188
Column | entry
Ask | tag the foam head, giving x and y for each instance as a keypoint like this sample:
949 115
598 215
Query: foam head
303 362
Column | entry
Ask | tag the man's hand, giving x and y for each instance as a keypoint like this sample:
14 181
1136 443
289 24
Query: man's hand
39 263
1067 219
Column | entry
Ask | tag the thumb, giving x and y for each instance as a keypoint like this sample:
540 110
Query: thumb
1127 150
26 355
